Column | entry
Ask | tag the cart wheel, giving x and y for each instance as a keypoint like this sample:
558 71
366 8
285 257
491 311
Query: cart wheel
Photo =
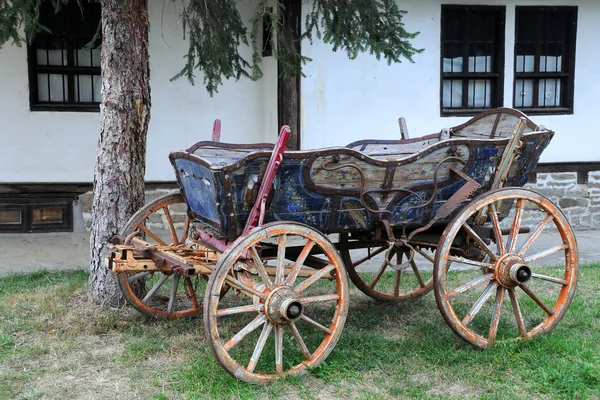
370 273
513 268
158 294
304 309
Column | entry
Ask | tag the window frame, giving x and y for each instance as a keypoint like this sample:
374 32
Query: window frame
70 71
28 204
568 95
497 73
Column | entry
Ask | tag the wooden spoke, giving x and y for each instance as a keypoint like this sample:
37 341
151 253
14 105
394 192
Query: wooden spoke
547 252
192 292
279 349
152 235
155 288
425 254
479 241
171 226
538 229
256 322
496 313
496 225
280 271
261 268
260 345
186 227
306 283
370 255
550 279
415 269
517 311
397 283
378 276
536 299
299 263
474 263
489 290
241 309
470 284
300 341
516 226
239 285
138 276
317 325
319 299
176 278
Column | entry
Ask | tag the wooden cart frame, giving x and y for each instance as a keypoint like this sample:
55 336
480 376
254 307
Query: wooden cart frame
286 273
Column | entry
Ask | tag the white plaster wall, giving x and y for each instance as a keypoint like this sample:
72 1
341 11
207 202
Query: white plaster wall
60 146
345 100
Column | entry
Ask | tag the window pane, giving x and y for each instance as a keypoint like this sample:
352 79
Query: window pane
58 88
525 63
480 93
452 93
524 93
10 216
47 215
96 57
549 93
83 88
551 64
97 88
83 57
480 64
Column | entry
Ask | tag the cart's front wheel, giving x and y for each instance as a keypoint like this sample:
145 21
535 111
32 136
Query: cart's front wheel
157 294
280 317
535 272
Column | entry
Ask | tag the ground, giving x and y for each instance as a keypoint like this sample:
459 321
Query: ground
54 344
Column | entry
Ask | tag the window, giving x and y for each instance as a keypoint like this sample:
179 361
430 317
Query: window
545 59
36 214
64 74
472 58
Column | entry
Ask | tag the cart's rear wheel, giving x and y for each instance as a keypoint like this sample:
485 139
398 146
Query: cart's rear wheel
539 294
377 279
158 294
280 317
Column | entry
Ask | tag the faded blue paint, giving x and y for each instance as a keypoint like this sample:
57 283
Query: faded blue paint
292 200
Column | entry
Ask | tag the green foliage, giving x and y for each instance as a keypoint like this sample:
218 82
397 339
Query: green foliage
357 26
215 33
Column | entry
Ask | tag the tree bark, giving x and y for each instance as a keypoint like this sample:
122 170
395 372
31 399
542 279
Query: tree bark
121 147
288 88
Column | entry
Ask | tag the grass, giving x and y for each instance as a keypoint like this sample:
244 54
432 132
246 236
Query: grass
55 344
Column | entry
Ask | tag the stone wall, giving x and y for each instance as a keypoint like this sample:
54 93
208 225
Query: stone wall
579 198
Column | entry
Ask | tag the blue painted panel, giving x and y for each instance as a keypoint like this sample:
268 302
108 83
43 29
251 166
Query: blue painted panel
200 189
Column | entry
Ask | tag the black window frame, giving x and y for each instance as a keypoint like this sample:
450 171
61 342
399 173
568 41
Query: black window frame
496 75
69 39
28 204
566 77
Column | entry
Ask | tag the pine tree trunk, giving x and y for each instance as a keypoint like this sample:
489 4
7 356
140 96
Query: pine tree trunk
288 88
121 148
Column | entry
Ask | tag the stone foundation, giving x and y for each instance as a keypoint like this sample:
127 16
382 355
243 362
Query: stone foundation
577 197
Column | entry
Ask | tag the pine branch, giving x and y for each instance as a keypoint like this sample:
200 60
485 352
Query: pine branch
215 31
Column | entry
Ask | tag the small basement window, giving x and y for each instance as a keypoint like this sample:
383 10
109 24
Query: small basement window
36 214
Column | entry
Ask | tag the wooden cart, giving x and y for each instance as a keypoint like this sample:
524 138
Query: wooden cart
262 240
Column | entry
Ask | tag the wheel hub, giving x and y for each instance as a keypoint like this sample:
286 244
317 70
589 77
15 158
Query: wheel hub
511 270
282 305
